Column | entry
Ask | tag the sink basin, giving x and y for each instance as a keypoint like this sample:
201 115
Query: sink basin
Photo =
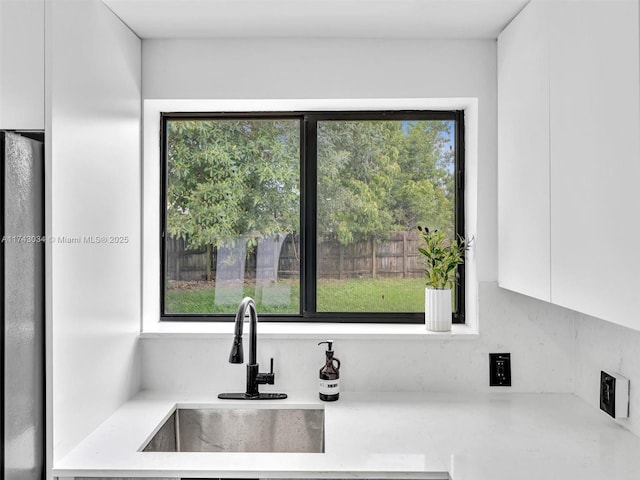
240 430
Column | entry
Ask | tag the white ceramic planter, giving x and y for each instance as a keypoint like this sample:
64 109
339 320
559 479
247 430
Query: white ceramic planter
437 309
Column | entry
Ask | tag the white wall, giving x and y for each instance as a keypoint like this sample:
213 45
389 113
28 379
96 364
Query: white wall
22 64
540 346
550 346
341 68
539 337
605 346
93 127
288 69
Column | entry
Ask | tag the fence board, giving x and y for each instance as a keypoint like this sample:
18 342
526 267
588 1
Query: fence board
397 257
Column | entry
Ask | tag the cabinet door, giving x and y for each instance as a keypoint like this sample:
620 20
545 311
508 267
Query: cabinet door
22 64
523 155
594 63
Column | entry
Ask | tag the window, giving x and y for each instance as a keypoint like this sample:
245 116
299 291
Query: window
313 215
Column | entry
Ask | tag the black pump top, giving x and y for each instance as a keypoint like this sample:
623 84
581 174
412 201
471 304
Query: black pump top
330 344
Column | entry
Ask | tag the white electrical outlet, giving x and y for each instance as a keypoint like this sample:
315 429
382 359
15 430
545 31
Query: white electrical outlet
614 394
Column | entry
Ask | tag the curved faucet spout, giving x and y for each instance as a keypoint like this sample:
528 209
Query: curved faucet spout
237 354
254 377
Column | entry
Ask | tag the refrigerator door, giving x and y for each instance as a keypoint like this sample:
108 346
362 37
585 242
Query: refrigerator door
22 289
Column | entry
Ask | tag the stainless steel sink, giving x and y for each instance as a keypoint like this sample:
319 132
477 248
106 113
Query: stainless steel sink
240 430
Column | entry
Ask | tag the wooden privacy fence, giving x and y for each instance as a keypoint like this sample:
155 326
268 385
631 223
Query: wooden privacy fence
277 257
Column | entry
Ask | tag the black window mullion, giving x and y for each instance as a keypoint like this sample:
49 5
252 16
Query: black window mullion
164 178
459 314
309 217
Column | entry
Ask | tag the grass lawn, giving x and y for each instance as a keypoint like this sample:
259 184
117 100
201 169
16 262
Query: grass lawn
353 295
369 295
204 298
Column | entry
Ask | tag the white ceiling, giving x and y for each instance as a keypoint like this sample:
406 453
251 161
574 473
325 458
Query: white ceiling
317 18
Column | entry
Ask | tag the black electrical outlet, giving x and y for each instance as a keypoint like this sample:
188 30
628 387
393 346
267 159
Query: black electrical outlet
608 394
499 369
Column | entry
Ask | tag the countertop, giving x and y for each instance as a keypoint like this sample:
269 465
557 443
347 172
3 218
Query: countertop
384 435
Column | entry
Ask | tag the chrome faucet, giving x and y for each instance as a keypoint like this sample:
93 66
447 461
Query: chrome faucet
254 377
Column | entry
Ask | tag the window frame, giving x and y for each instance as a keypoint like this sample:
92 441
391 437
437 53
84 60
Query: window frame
308 210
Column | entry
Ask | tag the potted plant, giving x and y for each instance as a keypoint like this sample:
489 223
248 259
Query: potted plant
442 255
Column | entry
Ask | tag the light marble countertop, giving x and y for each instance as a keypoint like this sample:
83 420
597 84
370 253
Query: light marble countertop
498 436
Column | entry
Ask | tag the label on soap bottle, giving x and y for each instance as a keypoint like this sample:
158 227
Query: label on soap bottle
330 387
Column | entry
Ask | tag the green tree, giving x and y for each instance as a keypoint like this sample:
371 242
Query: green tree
232 178
375 177
357 168
424 193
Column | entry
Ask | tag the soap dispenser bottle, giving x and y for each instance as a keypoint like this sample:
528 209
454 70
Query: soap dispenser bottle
330 376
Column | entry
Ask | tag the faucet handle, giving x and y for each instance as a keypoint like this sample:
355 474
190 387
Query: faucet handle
266 378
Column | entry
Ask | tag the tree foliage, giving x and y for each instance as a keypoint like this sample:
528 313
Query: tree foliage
425 192
357 168
375 177
237 178
232 178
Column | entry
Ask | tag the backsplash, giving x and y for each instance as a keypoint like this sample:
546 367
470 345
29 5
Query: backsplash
538 336
553 350
600 346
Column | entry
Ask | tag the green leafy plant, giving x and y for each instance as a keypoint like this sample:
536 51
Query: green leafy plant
442 255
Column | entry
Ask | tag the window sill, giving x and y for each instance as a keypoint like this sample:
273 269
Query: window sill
294 331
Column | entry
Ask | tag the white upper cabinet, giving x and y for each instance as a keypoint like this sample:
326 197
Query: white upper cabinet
22 64
595 158
523 156
569 131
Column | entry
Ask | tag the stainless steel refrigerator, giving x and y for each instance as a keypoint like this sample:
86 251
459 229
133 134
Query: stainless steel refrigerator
22 292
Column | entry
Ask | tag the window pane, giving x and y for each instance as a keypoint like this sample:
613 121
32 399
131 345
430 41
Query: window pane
232 215
378 180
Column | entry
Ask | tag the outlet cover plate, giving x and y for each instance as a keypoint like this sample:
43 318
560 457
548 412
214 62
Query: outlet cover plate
499 369
614 394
